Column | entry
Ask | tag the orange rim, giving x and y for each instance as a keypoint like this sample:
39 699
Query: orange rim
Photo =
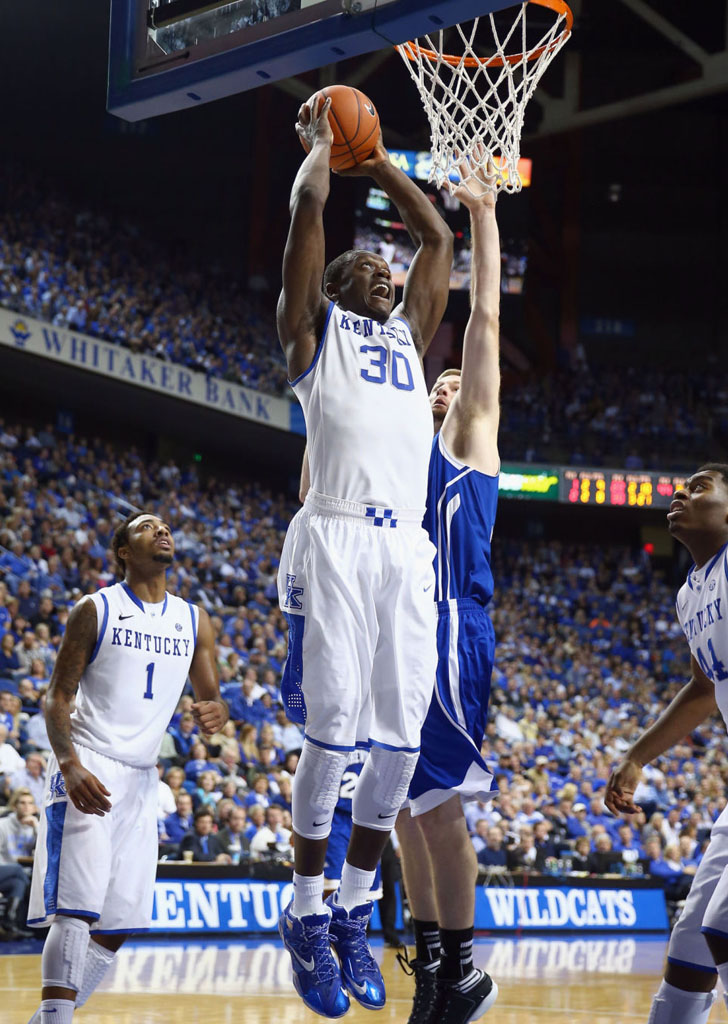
559 7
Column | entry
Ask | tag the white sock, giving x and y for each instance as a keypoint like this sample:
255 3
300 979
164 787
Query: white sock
355 886
98 961
308 895
56 1011
676 1006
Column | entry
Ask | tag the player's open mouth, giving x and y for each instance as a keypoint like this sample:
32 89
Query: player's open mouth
677 506
380 291
163 544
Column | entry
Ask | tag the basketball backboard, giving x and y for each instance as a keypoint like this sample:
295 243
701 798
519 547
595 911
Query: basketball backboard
165 55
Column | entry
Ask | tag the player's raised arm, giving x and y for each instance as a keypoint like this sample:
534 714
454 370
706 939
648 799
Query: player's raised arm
209 709
302 306
84 790
427 285
478 399
689 708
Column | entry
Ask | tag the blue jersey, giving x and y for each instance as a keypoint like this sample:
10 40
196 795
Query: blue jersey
460 516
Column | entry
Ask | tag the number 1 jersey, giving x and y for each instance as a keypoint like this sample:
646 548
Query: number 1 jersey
702 611
133 682
368 416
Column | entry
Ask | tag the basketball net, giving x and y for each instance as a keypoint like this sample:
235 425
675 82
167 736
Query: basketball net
476 104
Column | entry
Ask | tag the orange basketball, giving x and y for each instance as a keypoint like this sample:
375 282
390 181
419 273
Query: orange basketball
354 121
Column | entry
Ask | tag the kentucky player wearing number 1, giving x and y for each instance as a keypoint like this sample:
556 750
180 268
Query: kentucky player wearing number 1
356 577
126 655
698 950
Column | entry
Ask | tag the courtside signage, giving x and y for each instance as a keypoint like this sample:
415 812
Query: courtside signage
41 339
563 908
251 905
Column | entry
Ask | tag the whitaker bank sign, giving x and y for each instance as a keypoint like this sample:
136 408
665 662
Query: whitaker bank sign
41 339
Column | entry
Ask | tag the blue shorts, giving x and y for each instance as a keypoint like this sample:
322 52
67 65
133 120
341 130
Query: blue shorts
450 760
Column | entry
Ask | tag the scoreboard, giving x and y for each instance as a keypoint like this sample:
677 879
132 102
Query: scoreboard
618 488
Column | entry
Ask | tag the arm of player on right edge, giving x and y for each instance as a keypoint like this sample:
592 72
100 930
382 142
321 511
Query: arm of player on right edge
84 790
305 484
302 306
693 704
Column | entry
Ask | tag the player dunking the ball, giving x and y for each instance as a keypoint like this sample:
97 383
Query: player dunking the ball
125 657
698 950
355 578
438 858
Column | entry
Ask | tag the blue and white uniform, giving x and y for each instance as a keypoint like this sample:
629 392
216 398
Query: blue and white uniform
702 611
341 828
355 579
104 867
461 510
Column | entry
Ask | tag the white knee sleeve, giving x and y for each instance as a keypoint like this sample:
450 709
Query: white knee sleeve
98 961
64 953
676 1006
382 788
316 789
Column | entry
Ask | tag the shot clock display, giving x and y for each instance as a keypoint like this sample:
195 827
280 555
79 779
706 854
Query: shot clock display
617 488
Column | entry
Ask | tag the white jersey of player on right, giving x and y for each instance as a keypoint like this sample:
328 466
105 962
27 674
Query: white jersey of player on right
702 610
368 417
133 682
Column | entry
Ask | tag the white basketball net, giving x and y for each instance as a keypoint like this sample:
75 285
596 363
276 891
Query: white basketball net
476 105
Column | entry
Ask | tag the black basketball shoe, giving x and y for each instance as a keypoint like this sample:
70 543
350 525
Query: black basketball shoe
463 1001
426 992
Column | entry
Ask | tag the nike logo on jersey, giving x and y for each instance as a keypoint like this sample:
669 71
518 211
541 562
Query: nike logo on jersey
428 588
387 815
318 824
122 617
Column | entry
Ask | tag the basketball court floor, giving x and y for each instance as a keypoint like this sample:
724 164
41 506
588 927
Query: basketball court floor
546 980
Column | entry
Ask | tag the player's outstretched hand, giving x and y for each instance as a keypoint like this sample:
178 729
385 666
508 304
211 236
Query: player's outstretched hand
85 791
623 781
210 715
315 126
377 157
476 181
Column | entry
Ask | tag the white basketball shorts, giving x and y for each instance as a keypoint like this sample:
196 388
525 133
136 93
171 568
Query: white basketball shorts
706 908
103 868
356 585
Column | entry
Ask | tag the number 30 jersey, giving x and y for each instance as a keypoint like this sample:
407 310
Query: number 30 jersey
134 679
702 610
368 416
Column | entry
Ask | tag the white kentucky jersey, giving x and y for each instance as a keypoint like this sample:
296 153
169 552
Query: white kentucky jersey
702 610
367 411
134 679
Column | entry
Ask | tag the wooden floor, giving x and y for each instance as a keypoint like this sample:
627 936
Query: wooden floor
542 980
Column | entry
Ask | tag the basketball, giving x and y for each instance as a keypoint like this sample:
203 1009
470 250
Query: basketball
355 124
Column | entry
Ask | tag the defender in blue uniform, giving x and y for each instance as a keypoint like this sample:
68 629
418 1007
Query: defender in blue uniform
439 861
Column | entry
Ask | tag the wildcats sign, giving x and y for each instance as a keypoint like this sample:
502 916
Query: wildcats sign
571 908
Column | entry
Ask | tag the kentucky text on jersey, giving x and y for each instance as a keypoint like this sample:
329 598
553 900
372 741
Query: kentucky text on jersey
150 642
702 619
368 328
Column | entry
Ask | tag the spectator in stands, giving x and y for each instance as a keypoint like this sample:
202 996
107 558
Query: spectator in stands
259 793
205 794
256 820
580 854
36 732
10 759
233 839
524 855
18 831
286 734
9 661
27 649
202 841
667 867
179 823
603 858
494 853
31 778
272 838
29 696
166 802
184 735
545 847
576 823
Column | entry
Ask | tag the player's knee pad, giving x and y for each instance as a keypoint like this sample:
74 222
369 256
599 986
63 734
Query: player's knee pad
64 953
316 789
677 1006
382 788
98 961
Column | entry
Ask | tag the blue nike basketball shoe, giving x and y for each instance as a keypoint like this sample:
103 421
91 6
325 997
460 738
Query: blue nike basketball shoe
360 972
316 975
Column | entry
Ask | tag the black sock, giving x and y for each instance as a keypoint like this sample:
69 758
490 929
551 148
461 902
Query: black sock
427 940
457 953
